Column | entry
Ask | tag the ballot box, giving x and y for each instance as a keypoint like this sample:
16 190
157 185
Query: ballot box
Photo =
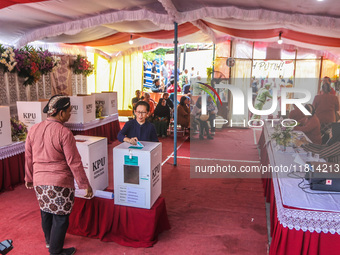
137 174
83 109
31 112
5 126
93 152
108 100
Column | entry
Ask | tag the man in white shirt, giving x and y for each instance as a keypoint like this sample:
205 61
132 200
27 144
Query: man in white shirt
164 72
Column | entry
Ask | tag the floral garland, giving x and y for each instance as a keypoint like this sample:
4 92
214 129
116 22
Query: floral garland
82 66
7 59
28 62
31 63
19 130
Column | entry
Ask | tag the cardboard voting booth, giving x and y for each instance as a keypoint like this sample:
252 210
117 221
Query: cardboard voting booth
83 109
108 100
137 174
5 126
93 152
31 112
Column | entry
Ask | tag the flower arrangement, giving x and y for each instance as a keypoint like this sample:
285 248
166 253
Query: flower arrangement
7 59
19 130
99 110
82 66
48 62
282 135
28 64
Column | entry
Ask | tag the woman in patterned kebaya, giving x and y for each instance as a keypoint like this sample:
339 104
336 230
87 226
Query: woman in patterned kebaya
52 162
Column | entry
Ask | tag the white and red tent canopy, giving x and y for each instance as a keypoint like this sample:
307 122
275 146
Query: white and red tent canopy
108 25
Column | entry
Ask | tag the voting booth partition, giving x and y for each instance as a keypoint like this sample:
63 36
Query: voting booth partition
31 112
137 174
5 126
83 109
108 101
94 156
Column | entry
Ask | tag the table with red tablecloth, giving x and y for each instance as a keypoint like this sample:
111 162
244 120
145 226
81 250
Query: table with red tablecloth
129 226
302 222
105 127
12 165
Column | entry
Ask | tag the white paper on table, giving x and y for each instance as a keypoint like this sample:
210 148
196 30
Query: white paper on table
103 194
299 160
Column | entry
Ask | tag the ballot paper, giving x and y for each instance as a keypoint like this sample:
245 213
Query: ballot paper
97 193
139 145
298 159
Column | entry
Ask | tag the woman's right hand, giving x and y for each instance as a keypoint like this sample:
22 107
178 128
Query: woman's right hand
132 140
29 185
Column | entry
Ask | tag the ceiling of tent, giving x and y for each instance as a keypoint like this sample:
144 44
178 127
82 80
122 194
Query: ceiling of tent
107 25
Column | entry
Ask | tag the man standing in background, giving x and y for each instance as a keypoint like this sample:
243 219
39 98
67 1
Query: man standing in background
164 72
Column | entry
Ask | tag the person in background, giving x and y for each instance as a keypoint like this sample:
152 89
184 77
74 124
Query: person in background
327 80
172 98
183 112
156 87
150 102
164 72
186 89
168 100
254 87
138 129
162 118
136 99
171 88
326 106
52 163
296 114
154 69
202 119
261 99
310 125
329 151
212 111
192 73
184 78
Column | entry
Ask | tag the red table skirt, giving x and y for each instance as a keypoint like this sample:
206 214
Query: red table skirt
109 130
128 226
12 171
287 241
266 178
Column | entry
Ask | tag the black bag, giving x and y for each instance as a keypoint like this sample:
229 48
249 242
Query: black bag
6 246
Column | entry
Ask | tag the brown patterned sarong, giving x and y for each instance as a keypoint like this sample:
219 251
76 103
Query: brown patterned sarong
54 199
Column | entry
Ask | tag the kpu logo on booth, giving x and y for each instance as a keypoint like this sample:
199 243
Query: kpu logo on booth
89 108
238 105
1 125
74 107
29 115
98 164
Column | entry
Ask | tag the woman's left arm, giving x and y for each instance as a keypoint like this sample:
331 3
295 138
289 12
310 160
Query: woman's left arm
28 163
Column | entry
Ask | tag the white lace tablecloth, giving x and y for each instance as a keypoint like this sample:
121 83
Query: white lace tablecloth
11 150
92 124
297 209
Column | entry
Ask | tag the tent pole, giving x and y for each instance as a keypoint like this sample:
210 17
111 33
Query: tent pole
175 92
184 56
